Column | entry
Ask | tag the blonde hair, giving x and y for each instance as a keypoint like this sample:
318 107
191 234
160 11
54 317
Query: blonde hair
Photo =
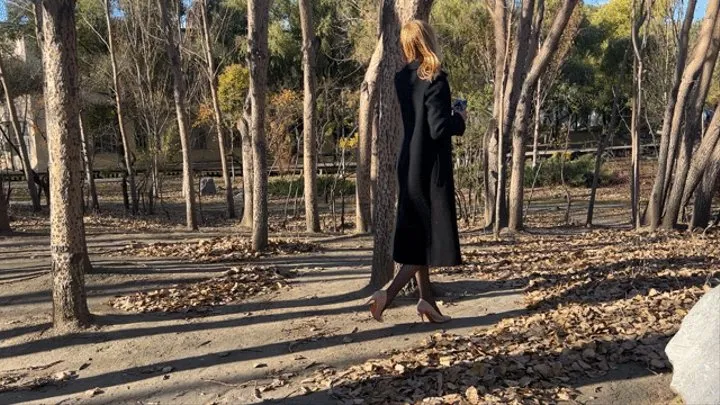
420 44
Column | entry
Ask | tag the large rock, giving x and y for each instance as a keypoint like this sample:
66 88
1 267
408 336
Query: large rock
207 186
695 352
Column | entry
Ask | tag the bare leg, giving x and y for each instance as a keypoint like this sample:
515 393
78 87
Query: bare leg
407 271
423 280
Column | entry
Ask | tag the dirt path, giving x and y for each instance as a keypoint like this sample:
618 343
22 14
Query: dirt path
223 356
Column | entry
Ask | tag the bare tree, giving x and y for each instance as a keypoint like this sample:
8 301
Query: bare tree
22 147
182 117
393 15
4 217
212 77
88 161
310 157
605 138
127 149
69 258
258 56
526 67
682 85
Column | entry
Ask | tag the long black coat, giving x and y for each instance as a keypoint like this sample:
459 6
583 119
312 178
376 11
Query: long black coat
426 229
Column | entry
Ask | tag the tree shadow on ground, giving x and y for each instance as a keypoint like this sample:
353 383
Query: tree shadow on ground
243 354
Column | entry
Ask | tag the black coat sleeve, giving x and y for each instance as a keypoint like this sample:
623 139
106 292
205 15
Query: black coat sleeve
441 119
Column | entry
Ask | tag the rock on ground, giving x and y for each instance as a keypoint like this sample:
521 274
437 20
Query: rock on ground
695 352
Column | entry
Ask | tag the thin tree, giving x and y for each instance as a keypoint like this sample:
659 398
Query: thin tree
528 64
22 147
182 117
69 258
217 112
127 151
88 161
258 57
368 106
5 227
605 138
312 219
243 126
393 15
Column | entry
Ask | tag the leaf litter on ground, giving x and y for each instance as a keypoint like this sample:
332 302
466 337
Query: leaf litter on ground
236 284
597 299
215 250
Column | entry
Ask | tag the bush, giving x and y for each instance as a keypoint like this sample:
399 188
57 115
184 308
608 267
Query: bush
280 186
578 172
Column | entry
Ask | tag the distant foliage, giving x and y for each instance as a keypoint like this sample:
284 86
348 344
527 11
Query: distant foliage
233 84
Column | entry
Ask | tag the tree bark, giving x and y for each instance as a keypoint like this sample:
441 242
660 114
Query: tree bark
312 219
217 112
637 22
693 129
537 65
127 152
5 227
393 15
258 55
88 159
24 156
702 209
182 117
702 158
247 163
69 258
368 106
655 205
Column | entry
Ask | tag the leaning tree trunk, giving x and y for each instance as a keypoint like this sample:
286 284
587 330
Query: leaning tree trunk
24 156
4 216
393 15
703 157
604 140
69 258
312 218
537 65
258 55
182 117
693 129
88 160
127 151
243 125
212 76
702 209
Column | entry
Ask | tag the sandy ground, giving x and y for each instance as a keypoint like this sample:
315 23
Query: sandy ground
224 356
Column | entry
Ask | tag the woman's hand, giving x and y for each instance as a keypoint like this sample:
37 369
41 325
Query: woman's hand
463 114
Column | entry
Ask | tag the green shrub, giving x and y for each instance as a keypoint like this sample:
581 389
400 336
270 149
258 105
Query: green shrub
578 172
280 186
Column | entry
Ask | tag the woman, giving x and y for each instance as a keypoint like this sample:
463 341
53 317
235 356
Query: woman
426 229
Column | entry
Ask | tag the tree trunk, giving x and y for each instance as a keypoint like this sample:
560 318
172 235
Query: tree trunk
536 65
87 158
182 117
24 156
655 205
69 258
127 151
247 163
637 97
702 209
611 128
702 157
312 218
5 228
258 55
212 77
536 129
693 129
